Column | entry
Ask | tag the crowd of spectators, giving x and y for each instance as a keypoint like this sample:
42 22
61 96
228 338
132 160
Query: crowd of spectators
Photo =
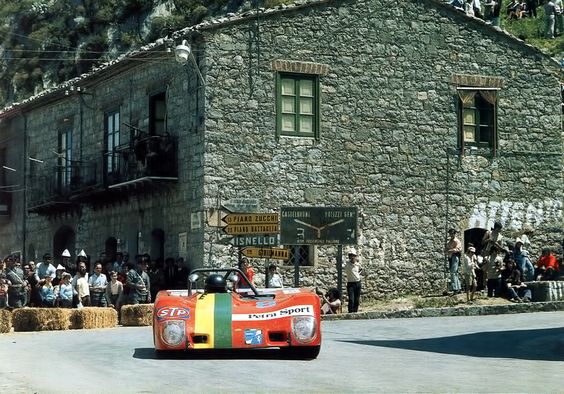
501 267
104 283
491 10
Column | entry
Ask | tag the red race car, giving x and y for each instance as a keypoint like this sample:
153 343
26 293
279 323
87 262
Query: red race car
230 313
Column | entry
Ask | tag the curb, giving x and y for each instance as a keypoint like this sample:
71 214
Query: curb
480 310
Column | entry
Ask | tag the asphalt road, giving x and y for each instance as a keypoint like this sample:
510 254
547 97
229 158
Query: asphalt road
501 353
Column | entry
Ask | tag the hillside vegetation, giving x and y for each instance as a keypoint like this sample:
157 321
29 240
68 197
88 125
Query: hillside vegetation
45 42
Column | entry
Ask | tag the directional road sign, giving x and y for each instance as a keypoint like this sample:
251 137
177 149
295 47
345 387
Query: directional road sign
241 204
267 253
251 218
255 240
318 225
234 229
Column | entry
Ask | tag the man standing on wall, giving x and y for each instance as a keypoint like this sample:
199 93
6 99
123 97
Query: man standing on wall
353 269
453 250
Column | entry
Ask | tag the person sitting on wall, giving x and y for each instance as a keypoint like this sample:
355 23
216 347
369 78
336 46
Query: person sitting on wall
513 285
547 266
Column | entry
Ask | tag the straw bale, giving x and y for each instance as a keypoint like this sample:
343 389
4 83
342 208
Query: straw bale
5 321
137 315
93 317
41 319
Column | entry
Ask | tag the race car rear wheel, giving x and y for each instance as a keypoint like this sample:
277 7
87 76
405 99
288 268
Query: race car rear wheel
301 352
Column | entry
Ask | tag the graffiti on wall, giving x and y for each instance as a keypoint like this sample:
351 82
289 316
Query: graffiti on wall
514 214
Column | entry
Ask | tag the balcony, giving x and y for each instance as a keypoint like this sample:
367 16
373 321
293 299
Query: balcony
51 191
139 167
142 164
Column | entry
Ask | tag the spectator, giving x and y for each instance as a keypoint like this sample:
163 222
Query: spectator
353 270
139 284
558 18
331 302
547 266
532 8
468 8
477 9
116 265
496 11
248 270
66 262
47 292
18 286
469 267
4 284
33 297
66 291
274 278
453 250
492 269
45 268
157 277
80 284
97 286
58 275
114 291
515 289
521 258
549 19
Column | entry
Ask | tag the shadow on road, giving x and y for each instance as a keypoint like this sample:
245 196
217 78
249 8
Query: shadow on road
539 344
239 354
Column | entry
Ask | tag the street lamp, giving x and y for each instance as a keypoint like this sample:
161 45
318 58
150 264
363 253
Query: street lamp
183 53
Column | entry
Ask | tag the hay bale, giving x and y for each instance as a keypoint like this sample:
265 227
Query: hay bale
5 321
93 317
41 319
137 315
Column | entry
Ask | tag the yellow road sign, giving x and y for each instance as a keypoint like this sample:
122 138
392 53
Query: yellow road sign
267 253
251 218
235 229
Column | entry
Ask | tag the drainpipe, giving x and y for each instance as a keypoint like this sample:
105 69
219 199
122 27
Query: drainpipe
25 191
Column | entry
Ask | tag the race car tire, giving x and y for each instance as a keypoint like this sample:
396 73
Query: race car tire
301 352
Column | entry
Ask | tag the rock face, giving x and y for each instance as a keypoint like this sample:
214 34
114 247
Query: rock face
46 42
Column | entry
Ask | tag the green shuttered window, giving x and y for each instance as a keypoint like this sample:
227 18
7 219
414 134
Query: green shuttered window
297 105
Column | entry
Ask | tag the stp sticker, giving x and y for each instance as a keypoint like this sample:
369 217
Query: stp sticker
169 312
253 336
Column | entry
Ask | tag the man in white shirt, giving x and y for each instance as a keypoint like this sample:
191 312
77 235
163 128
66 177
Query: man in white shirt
45 268
80 284
97 285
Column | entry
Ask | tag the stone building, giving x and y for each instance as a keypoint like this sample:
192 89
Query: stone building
419 116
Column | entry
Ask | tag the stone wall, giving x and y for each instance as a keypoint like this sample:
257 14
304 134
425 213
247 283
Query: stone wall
388 140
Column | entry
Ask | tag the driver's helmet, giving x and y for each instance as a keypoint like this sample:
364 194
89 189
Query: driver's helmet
215 283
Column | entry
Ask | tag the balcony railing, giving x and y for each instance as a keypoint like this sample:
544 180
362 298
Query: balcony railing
149 158
50 190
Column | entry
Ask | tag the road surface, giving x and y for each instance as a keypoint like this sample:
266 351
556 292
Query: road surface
502 353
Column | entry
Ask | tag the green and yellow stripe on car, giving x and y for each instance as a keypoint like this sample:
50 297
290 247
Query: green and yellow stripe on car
213 319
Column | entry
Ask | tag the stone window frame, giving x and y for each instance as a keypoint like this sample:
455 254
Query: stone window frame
298 71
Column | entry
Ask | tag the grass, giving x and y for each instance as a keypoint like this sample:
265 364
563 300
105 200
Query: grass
531 30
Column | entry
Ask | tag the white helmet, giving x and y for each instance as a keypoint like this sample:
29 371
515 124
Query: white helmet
66 253
82 253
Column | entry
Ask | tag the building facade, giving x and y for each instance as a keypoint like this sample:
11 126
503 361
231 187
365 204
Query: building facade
422 118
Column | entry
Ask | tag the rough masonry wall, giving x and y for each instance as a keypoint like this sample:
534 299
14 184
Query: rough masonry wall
388 131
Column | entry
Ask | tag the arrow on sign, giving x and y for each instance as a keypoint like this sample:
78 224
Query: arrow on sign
234 229
251 218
